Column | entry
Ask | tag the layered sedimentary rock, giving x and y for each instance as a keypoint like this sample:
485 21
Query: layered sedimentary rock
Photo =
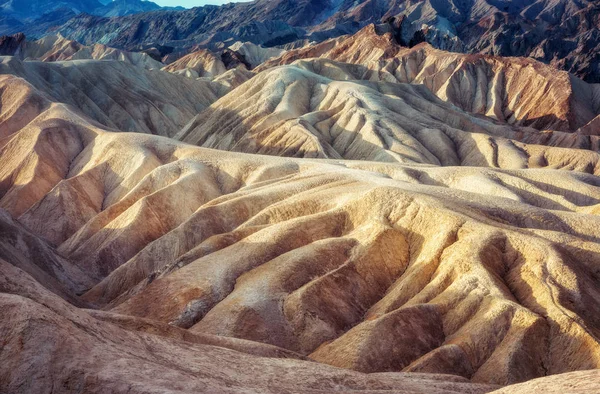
296 111
513 90
483 273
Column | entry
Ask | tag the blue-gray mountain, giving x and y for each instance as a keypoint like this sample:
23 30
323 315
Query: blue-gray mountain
564 33
39 16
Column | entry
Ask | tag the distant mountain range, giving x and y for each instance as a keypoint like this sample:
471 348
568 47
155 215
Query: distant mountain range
563 33
16 15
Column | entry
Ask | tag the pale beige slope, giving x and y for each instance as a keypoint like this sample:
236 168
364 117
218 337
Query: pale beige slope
55 47
201 63
341 261
204 63
254 54
582 382
294 111
514 90
116 94
231 79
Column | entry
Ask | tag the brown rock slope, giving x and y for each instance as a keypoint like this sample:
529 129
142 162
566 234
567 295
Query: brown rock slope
49 345
293 110
114 93
518 91
484 273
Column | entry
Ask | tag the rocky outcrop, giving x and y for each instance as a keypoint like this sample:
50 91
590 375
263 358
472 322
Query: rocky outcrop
11 45
255 55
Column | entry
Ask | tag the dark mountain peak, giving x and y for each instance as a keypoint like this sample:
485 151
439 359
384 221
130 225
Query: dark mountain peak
9 45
